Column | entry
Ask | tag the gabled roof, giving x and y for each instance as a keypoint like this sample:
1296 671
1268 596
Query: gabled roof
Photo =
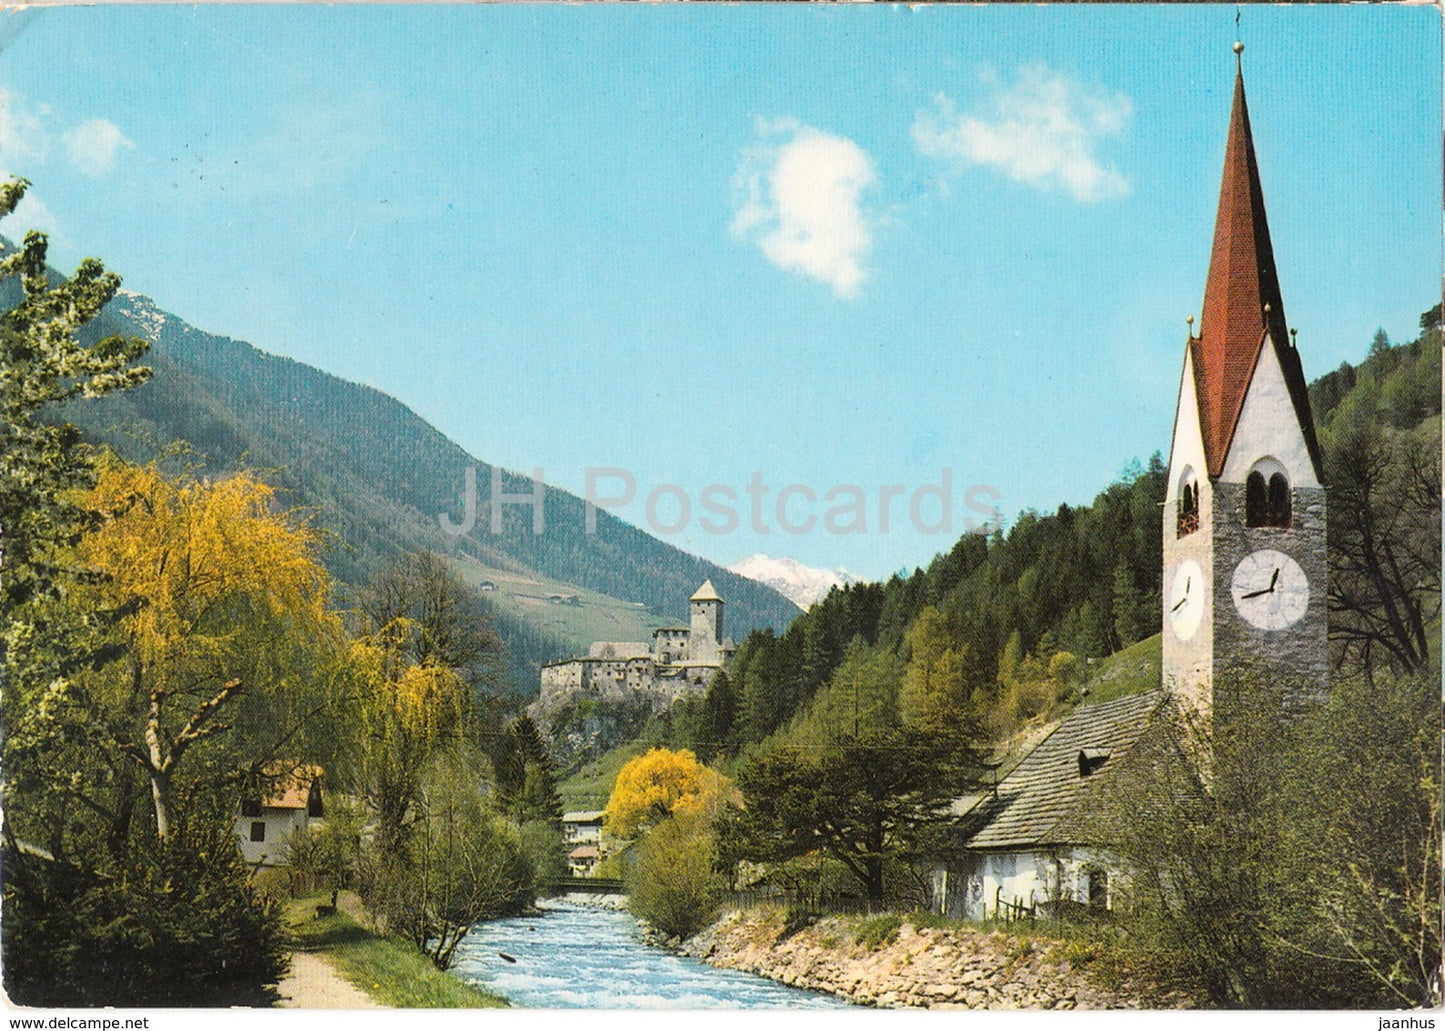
1242 306
586 816
706 592
290 784
1036 803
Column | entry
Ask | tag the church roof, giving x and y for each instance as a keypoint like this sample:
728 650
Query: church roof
1242 305
707 592
1037 804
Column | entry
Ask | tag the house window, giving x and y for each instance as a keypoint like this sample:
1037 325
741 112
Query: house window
1267 500
1098 889
258 830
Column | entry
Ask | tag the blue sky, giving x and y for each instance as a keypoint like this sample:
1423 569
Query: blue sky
844 245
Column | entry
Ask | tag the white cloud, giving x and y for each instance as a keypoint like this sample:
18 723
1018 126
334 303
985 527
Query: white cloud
797 197
1042 130
92 146
31 213
22 136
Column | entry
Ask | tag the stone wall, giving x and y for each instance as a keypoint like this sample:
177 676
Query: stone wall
1297 655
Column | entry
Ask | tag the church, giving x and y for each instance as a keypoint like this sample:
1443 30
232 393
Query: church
1243 579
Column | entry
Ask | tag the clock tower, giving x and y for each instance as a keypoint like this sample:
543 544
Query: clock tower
1244 509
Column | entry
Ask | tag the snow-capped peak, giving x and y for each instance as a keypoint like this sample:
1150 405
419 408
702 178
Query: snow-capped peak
800 584
143 312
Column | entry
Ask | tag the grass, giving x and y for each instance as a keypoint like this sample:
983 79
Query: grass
595 617
591 786
389 970
1131 670
875 932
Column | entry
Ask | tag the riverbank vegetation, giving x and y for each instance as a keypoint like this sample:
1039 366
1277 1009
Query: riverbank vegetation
662 816
390 971
172 652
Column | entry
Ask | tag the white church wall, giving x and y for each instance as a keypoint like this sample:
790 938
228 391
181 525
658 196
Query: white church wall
1269 427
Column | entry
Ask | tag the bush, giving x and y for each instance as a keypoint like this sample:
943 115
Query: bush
179 925
795 918
325 857
546 853
1309 876
456 863
673 883
877 931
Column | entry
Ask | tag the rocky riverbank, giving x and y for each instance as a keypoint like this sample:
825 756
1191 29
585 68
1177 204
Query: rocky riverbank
957 968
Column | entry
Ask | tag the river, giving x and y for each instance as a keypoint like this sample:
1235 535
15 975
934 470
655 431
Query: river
576 957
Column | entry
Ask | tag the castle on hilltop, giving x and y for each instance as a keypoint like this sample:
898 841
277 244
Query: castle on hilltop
678 661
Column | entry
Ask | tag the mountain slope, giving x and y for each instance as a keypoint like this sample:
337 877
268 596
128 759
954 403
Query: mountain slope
378 476
800 584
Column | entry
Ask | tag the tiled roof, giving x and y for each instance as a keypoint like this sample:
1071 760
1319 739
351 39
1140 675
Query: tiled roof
1234 324
585 816
290 788
1036 803
585 852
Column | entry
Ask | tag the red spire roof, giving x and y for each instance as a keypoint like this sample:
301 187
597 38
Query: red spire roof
1242 302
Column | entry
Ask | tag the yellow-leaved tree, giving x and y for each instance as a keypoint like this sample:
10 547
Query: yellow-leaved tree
660 783
409 712
227 636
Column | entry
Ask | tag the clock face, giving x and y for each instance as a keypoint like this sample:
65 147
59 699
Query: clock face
1270 589
1186 600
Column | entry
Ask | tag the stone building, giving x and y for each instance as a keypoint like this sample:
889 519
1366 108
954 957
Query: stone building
678 661
1031 839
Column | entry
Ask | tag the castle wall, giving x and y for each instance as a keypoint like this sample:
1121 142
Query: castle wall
619 650
681 661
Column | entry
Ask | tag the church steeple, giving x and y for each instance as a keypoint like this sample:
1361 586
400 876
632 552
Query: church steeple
1244 567
1242 304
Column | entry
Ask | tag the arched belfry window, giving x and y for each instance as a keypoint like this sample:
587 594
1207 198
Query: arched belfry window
1278 512
1188 504
1267 496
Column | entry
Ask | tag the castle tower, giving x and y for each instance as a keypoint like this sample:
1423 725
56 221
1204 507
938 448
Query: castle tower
705 639
1244 512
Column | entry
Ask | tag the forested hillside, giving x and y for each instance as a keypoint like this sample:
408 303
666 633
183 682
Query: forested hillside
378 476
1005 628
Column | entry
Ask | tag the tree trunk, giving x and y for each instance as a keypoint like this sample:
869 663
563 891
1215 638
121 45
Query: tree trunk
161 794
159 765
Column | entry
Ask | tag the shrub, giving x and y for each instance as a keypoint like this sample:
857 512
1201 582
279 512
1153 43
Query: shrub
877 931
178 925
673 883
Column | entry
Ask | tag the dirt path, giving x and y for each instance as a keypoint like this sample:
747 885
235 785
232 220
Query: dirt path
312 983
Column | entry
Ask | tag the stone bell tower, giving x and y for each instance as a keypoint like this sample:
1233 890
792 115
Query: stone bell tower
1244 513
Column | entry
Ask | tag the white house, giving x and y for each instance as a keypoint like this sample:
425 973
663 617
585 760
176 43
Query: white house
583 831
265 824
1030 845
582 828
